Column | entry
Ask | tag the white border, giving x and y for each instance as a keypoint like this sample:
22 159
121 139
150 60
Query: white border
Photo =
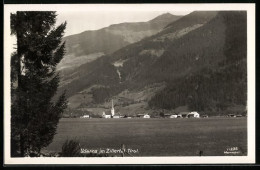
250 8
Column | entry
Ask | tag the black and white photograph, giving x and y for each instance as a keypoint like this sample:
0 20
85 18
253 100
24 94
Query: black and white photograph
129 83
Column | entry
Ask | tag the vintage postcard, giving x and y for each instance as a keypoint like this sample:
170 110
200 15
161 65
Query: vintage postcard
129 84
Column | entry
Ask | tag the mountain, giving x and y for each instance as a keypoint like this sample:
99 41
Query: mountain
219 81
198 61
116 36
175 49
90 45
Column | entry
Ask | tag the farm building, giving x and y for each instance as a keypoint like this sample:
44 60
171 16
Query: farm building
193 114
85 116
116 116
143 115
104 115
173 116
146 116
188 115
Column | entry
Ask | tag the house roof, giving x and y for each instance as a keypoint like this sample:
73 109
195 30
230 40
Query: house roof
193 113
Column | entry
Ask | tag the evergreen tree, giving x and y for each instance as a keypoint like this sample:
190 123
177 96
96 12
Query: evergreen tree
34 112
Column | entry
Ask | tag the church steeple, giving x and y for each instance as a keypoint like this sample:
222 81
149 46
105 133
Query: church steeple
112 109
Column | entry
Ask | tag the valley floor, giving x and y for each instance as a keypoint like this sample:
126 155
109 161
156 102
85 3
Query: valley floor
156 137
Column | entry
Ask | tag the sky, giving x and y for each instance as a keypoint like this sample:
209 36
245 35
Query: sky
80 21
96 18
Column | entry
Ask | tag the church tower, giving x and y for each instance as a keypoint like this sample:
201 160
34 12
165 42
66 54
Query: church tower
112 109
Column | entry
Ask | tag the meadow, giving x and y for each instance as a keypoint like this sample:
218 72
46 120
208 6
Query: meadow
156 137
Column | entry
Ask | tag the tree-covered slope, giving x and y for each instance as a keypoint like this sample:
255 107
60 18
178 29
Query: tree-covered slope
90 45
173 53
214 88
201 58
134 56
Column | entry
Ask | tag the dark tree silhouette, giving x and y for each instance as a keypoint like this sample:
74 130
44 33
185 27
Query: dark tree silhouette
34 112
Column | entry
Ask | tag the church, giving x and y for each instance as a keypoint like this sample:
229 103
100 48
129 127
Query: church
104 115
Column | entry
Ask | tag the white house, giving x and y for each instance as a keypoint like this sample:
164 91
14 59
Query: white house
105 116
85 116
193 114
173 116
146 116
143 115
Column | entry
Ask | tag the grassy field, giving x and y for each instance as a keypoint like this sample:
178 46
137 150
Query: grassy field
156 137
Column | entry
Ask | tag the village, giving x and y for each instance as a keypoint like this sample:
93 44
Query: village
182 114
114 115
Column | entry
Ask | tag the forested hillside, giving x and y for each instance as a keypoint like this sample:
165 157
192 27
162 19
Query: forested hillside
200 59
214 88
88 46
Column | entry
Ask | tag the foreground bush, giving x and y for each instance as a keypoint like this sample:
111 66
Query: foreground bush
70 148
